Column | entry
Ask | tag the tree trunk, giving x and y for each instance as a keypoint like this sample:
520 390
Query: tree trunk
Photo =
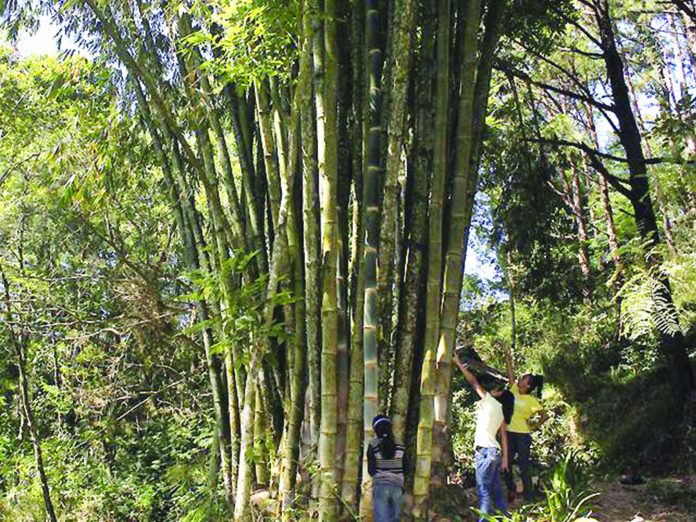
666 222
583 249
573 190
672 341
19 342
617 277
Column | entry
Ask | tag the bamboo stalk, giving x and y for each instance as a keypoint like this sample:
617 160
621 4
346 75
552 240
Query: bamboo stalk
354 420
270 151
296 350
372 175
421 484
225 433
412 300
458 221
402 29
245 475
356 288
311 233
325 55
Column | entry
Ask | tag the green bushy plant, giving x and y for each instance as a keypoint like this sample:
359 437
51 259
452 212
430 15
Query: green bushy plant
567 496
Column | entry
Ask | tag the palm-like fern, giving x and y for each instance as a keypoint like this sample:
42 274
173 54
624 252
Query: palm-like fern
645 306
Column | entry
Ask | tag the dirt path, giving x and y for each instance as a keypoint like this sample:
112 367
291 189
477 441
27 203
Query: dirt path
665 499
671 499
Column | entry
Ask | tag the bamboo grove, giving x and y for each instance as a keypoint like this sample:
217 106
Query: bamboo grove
321 161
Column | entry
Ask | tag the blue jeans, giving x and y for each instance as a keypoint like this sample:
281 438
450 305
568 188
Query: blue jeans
490 491
520 444
386 502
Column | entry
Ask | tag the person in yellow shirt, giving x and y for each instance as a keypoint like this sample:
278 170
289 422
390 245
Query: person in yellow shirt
528 416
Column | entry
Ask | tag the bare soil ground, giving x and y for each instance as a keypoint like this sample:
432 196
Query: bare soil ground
665 499
670 499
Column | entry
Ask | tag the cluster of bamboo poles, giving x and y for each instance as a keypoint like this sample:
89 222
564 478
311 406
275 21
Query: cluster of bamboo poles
354 182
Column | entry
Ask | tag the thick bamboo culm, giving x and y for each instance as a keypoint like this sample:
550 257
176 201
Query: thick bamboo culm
260 169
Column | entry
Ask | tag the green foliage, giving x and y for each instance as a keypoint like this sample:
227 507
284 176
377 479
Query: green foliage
259 39
566 497
116 375
566 490
607 397
118 397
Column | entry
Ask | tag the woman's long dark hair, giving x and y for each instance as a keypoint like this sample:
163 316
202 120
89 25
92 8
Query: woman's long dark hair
536 383
507 400
383 429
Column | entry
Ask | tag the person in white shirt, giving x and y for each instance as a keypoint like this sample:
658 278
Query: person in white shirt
491 456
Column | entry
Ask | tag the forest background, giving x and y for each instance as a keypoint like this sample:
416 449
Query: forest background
231 233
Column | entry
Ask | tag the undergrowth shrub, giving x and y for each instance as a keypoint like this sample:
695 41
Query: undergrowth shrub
566 495
607 396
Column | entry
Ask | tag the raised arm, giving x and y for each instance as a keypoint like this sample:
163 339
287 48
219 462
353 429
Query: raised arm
508 364
470 377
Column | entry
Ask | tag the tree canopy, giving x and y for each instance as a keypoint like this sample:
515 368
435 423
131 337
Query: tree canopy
231 233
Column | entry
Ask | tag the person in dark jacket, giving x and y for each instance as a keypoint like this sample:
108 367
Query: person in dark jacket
385 464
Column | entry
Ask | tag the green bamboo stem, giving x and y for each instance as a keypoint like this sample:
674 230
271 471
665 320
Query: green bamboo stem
311 234
260 434
324 51
344 97
458 220
270 151
421 484
342 362
242 508
296 350
214 119
416 223
280 127
356 289
260 349
491 36
371 180
354 420
225 237
402 29
244 155
179 199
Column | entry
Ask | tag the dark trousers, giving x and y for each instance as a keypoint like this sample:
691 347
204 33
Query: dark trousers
520 444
